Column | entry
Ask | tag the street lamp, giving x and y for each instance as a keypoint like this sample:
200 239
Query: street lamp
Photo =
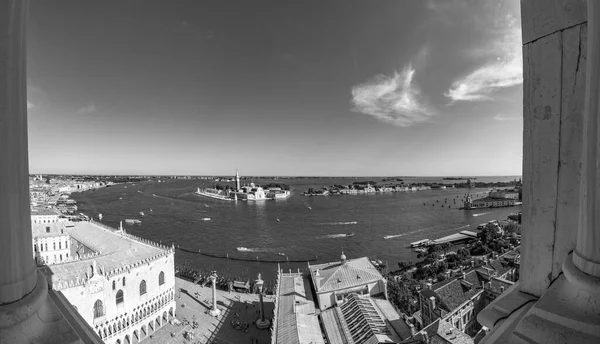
261 323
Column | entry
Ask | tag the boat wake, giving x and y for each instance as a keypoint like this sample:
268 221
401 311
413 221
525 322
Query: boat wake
257 249
341 223
480 214
461 227
412 232
334 236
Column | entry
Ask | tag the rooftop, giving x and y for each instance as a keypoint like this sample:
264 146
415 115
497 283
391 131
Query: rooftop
41 230
297 322
335 276
442 332
360 319
44 212
114 251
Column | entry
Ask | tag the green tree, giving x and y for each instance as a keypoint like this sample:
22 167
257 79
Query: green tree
405 265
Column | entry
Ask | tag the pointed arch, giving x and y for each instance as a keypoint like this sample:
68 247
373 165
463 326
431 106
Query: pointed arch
161 278
98 309
142 287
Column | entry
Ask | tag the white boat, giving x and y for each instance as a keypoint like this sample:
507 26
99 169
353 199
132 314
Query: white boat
142 213
419 243
206 219
132 221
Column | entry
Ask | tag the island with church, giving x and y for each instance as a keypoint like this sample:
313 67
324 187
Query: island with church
250 192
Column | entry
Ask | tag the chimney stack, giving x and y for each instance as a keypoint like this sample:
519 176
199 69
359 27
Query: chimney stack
432 302
501 289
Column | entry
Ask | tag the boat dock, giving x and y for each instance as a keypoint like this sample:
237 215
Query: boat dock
456 238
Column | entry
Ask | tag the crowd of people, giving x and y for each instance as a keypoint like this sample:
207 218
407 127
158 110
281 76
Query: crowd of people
224 281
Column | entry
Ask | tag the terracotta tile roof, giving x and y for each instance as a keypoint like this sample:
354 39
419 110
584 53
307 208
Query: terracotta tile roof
353 273
457 292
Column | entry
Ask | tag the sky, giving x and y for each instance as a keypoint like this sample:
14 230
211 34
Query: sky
279 87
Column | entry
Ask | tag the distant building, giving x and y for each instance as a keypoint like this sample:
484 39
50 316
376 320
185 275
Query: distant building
295 320
124 288
51 244
333 282
504 194
43 216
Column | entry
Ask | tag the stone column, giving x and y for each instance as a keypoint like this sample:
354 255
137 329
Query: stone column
261 323
586 255
214 311
17 267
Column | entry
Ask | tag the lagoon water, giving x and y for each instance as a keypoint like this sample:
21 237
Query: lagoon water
308 227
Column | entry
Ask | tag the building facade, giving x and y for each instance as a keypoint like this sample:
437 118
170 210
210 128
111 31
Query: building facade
124 289
51 244
42 216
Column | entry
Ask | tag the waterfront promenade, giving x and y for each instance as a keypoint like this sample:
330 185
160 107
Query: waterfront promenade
195 301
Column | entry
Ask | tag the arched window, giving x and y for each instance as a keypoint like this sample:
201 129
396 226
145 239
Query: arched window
98 309
114 285
119 297
142 287
161 278
123 281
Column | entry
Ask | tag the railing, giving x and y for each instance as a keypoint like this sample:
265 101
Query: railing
141 318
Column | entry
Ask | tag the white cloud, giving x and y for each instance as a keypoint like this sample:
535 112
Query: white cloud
503 67
30 105
394 99
87 110
502 117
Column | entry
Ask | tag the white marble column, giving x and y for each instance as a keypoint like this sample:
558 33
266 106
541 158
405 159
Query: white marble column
586 255
17 268
214 311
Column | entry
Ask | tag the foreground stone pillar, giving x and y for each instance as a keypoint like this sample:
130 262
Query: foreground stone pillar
17 268
569 310
28 312
586 255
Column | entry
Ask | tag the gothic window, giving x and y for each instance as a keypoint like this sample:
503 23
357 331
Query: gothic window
142 287
114 285
123 281
161 278
98 309
119 297
60 245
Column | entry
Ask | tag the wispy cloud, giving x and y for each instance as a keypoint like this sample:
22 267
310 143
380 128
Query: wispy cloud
394 99
502 117
188 28
503 66
87 110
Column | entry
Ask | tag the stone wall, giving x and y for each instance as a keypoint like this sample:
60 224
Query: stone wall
554 64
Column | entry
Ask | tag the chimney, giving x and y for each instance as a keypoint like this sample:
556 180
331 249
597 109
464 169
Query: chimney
473 263
501 289
413 330
425 337
432 302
